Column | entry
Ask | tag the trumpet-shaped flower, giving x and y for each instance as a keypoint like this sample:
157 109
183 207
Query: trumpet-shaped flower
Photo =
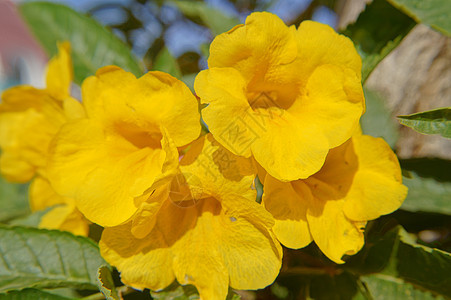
360 181
282 95
29 120
204 228
109 161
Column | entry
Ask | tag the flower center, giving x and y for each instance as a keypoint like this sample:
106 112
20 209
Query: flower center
140 137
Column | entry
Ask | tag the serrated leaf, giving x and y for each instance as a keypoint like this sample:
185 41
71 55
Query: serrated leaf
214 19
377 31
437 121
13 200
93 46
377 120
40 258
427 195
435 13
31 294
397 255
106 283
382 287
165 62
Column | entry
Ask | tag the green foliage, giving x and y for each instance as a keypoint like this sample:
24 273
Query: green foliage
31 257
427 195
165 62
106 283
31 294
93 46
437 121
184 292
377 31
13 200
377 120
380 287
435 13
176 292
397 255
214 19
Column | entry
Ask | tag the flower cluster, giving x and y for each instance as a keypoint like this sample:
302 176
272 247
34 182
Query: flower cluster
281 103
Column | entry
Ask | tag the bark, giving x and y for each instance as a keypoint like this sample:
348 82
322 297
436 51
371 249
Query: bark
415 77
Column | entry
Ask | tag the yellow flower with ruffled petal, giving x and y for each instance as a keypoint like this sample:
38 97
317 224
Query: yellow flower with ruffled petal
360 181
109 161
204 228
29 120
282 95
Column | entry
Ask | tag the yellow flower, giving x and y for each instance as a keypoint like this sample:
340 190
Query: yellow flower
63 215
109 161
29 120
204 228
281 95
360 181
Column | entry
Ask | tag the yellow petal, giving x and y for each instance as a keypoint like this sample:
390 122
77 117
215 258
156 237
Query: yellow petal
73 109
60 73
289 148
103 175
227 114
261 50
156 99
333 232
288 203
210 169
203 245
334 102
14 168
145 217
67 218
42 195
143 263
377 188
29 119
319 44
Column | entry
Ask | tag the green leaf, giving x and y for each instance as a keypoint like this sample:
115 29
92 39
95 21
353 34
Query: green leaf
382 287
176 292
427 195
377 120
106 283
336 285
435 13
93 46
437 121
184 292
211 17
165 62
13 200
397 255
31 257
31 294
377 31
